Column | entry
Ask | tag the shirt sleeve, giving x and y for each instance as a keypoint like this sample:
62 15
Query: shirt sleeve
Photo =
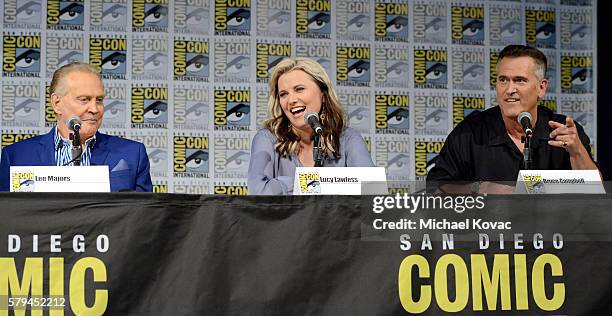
262 178
356 150
584 139
449 164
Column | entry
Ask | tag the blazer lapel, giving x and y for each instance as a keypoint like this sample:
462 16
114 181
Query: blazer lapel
100 150
46 152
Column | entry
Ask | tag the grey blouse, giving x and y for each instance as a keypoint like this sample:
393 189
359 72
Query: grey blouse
272 174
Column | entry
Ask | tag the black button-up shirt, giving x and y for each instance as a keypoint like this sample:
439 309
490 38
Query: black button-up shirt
479 149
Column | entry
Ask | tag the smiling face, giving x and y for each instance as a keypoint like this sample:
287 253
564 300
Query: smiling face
84 96
518 86
299 95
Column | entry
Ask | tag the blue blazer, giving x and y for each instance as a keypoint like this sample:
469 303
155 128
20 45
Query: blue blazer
127 160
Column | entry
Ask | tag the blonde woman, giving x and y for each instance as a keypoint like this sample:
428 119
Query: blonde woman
297 87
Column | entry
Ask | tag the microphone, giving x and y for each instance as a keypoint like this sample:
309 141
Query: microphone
312 119
525 120
74 123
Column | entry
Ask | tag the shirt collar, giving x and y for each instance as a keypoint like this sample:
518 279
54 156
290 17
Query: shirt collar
59 141
500 136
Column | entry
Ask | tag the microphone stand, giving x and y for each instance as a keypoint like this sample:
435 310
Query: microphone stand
317 151
527 162
77 150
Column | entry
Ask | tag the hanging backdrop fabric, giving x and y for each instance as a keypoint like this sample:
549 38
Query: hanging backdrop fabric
190 254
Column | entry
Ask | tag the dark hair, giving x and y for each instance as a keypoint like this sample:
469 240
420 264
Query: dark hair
526 51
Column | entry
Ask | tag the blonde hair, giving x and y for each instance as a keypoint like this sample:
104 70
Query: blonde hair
332 114
58 86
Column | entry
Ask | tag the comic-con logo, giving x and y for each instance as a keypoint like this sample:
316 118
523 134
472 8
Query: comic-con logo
392 114
191 187
430 114
20 104
21 55
549 103
534 183
261 106
268 56
467 25
191 16
232 62
62 50
493 59
108 15
430 68
505 26
232 110
160 186
115 105
466 105
191 108
50 119
157 150
540 28
310 182
221 188
576 74
425 154
149 107
581 110
23 182
274 18
232 153
191 60
394 155
232 17
313 19
357 104
22 14
65 15
319 51
551 70
353 66
391 67
149 58
391 21
109 56
430 20
191 156
150 15
575 30
353 20
468 69
11 138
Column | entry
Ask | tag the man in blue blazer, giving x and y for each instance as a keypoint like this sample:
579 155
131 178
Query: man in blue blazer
77 90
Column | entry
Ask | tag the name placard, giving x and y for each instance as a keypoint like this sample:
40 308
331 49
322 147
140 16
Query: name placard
340 181
559 181
59 179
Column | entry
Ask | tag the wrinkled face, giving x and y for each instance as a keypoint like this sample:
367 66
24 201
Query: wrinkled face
85 98
518 87
299 95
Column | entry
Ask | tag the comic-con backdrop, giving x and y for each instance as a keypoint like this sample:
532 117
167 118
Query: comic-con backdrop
188 78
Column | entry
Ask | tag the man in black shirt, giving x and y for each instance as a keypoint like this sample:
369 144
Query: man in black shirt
487 146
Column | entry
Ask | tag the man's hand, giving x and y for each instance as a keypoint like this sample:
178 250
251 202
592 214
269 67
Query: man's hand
566 137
